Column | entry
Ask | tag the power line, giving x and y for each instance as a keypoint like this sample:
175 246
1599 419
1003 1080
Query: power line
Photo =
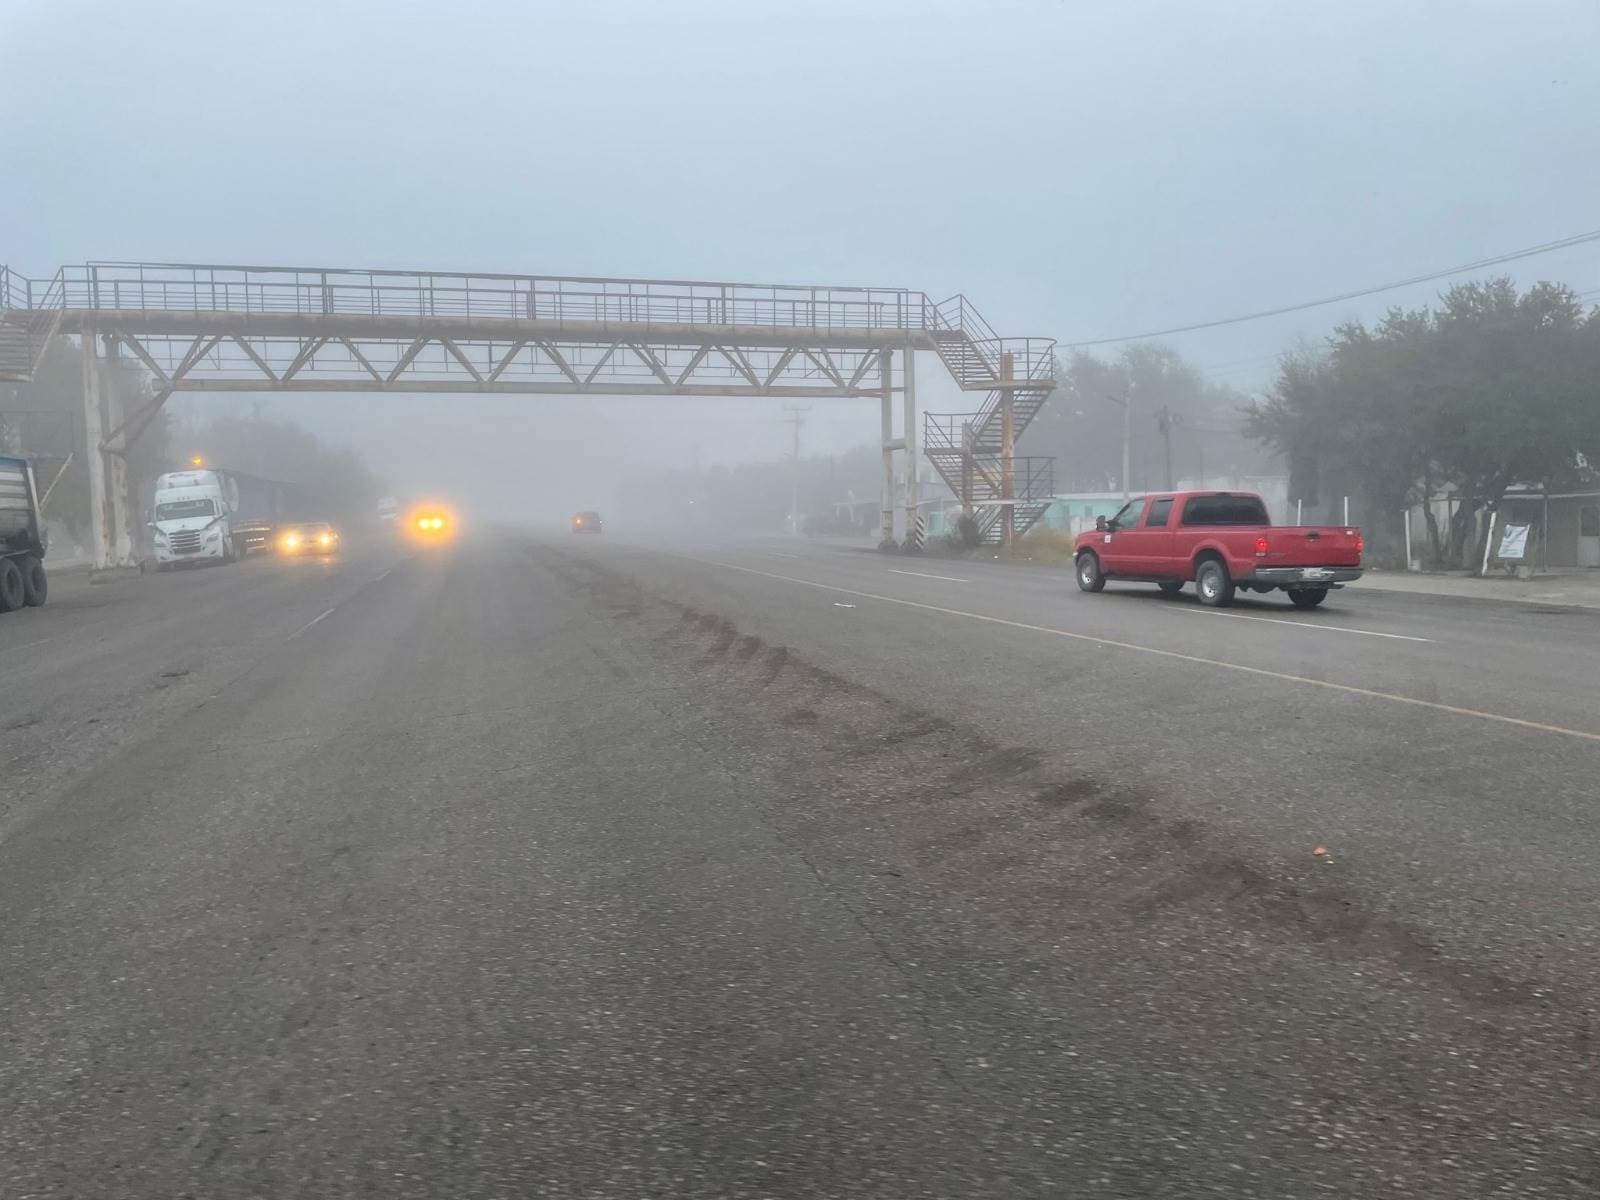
1528 252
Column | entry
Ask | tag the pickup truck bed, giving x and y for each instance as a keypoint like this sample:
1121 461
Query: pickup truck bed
1221 542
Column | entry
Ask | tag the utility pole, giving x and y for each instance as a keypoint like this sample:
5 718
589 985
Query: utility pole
796 418
1127 437
1165 420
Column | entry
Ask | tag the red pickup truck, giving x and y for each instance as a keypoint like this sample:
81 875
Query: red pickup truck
1219 541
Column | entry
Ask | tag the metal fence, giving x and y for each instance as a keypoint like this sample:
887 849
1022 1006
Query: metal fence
315 291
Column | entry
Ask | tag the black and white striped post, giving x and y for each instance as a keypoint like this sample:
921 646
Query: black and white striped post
913 446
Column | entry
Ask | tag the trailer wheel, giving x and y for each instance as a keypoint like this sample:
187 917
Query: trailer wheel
12 596
35 587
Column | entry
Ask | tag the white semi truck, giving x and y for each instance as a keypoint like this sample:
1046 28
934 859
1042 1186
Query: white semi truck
217 514
192 518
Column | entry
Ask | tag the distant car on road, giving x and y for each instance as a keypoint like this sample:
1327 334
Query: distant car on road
1220 542
430 525
311 537
587 522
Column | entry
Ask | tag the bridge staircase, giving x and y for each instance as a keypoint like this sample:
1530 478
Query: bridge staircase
30 314
968 449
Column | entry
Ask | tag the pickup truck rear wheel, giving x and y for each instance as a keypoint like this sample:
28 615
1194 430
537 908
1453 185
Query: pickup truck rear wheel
1090 577
1215 585
35 587
1307 597
12 596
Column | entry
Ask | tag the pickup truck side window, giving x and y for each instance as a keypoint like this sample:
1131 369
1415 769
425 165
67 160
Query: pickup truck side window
1224 510
1128 515
1159 512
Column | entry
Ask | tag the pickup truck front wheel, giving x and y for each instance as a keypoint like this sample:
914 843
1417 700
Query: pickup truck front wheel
1090 577
1215 585
1307 597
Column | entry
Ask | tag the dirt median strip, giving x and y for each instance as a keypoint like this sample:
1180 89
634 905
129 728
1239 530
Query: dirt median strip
1270 957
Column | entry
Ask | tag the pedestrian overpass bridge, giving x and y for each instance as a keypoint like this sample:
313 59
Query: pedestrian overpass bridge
217 328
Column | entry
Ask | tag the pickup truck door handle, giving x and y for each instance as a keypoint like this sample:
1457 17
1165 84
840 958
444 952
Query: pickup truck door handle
1313 536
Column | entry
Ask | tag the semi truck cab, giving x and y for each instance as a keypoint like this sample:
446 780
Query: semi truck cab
191 518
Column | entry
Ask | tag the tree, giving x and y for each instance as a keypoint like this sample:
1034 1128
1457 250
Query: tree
45 418
335 480
1082 427
1489 389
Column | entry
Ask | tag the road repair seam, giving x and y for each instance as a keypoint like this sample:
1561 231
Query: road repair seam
377 579
1211 612
309 624
1348 688
22 645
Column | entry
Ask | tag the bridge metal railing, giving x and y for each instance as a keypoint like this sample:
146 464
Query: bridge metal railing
16 290
958 314
188 287
32 309
316 291
945 431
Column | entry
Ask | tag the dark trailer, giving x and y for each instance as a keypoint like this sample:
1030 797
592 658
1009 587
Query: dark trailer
264 505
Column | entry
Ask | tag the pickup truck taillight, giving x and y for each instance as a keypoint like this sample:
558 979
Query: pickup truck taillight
1261 544
1361 542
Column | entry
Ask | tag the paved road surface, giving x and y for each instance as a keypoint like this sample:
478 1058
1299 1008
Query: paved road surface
573 868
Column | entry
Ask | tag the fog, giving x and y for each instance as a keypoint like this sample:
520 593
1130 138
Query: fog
1080 171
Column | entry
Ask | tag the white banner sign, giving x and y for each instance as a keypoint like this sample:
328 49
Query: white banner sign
1514 541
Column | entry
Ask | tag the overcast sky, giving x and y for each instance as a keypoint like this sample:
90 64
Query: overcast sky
1080 170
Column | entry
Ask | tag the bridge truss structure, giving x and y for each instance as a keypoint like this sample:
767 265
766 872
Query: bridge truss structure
216 328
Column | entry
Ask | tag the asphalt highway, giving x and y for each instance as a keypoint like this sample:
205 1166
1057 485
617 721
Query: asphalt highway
561 866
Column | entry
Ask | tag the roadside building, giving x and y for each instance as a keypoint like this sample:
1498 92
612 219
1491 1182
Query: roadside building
1563 527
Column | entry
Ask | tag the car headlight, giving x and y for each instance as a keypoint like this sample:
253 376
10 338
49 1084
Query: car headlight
213 534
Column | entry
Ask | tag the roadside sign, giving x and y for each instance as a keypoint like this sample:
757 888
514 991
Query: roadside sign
1514 542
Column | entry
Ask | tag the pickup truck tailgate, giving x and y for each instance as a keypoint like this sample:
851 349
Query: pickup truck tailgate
1312 546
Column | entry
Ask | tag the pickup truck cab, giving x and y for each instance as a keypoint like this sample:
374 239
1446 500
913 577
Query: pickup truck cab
1220 542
